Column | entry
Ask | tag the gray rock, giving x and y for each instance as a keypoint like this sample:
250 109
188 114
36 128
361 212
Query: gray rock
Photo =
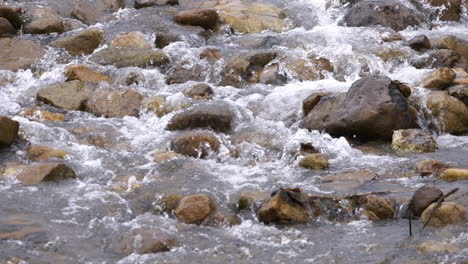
420 42
130 57
414 141
18 54
199 91
92 11
422 198
70 95
43 21
112 103
164 38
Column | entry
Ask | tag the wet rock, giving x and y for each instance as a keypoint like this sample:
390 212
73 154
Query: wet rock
248 198
450 111
460 92
453 174
18 54
82 43
214 115
452 43
372 108
422 198
311 101
130 57
162 156
420 42
70 95
92 11
210 54
431 246
232 74
70 24
85 74
8 130
352 176
389 36
381 207
132 39
250 17
440 79
147 3
113 103
184 72
388 14
43 21
6 28
450 9
165 38
206 18
315 161
197 144
440 58
194 208
413 141
9 170
283 207
461 77
38 114
24 233
219 219
156 104
431 167
45 172
448 213
307 69
170 202
199 91
272 74
12 15
38 153
146 241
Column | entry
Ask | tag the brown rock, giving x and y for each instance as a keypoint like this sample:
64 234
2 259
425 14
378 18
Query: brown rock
112 103
38 114
92 11
234 71
451 9
283 207
8 130
198 144
381 207
422 198
6 28
132 39
440 79
206 18
170 202
82 43
413 141
85 74
199 91
311 101
38 153
165 38
194 208
431 247
452 43
316 161
12 15
156 104
45 172
390 36
210 54
447 213
43 21
460 92
146 241
70 95
221 219
147 3
162 156
359 176
431 167
451 112
248 198
18 54
453 174
420 42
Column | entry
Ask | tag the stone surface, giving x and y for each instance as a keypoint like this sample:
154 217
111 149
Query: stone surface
452 43
419 43
448 213
12 15
431 247
451 9
186 71
422 198
133 39
194 208
114 103
382 207
147 3
92 11
206 18
162 156
454 174
219 219
45 172
352 176
165 38
440 79
372 108
38 114
6 28
8 130
248 198
440 58
311 101
18 54
451 112
460 92
130 57
431 167
307 69
197 144
85 74
210 54
146 241
38 153
314 161
199 91
82 43
43 21
70 95
283 207
413 141
170 202
156 104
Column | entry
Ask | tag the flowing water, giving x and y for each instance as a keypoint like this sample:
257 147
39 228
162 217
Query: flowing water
80 221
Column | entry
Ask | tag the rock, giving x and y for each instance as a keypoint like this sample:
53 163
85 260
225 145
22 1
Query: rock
431 247
460 92
130 57
448 213
70 95
18 54
451 112
221 219
170 202
199 91
422 198
449 10
113 103
147 3
390 36
248 198
380 207
162 156
165 38
307 69
431 167
283 207
92 11
453 174
372 108
272 74
413 141
82 43
311 101
85 74
250 17
146 241
352 176
420 42
461 77
8 130
38 153
440 58
38 114
156 104
452 43
194 208
43 21
206 18
315 161
12 15
45 172
6 28
132 39
388 14
197 144
184 72
210 54
232 74
70 24
440 79
214 115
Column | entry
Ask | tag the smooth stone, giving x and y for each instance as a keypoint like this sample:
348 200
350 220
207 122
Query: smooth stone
46 172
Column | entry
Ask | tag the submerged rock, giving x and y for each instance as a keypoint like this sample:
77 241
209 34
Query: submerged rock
18 54
382 208
197 144
440 79
413 140
431 247
284 206
85 74
8 130
82 43
314 161
38 153
146 241
45 172
156 104
431 167
451 112
43 21
194 208
248 198
206 18
454 174
70 95
113 103
38 114
448 213
130 57
165 38
422 198
133 39
162 156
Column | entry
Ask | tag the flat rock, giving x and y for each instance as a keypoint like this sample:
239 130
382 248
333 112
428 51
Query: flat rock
431 167
440 79
113 103
45 172
18 54
130 57
70 95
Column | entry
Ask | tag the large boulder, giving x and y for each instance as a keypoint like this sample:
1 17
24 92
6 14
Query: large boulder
130 57
390 13
82 73
82 43
70 95
113 103
147 3
197 144
43 21
451 112
422 198
372 108
45 172
18 54
8 130
215 115
194 208
284 206
205 18
448 213
413 141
